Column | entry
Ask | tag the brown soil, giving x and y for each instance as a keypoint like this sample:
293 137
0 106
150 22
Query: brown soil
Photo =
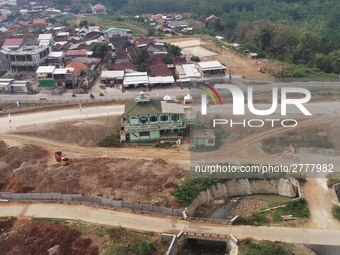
249 206
135 180
241 65
81 132
38 237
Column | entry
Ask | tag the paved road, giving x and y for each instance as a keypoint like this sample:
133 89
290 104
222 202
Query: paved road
18 120
158 92
157 224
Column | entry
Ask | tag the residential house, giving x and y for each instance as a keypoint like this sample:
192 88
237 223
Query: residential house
14 86
136 79
211 68
64 77
56 58
204 137
45 77
27 58
99 8
13 43
112 78
187 71
20 87
79 67
211 19
116 31
76 53
45 39
38 22
177 24
147 119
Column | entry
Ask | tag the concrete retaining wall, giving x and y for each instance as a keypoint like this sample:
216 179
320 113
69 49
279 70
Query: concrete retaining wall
243 187
175 242
91 200
336 191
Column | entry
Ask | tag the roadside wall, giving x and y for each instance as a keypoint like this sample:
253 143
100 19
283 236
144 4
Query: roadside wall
242 187
336 191
92 200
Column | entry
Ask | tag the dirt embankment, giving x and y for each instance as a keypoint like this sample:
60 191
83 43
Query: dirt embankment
42 238
29 108
81 132
27 169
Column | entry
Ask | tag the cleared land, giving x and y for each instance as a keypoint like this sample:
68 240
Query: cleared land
56 236
32 169
240 65
83 132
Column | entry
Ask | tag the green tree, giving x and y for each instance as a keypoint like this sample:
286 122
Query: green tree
83 23
145 247
99 49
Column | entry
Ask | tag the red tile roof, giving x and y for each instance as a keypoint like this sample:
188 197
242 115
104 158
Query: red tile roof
3 18
23 23
124 66
99 7
72 53
78 67
13 42
160 70
40 22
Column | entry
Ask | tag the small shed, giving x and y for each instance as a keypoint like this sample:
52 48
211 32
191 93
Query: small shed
204 137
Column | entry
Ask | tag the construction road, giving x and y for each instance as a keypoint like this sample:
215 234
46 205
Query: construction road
166 225
324 232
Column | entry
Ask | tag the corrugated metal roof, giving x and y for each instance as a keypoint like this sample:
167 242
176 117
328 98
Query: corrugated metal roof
173 108
45 69
136 109
211 65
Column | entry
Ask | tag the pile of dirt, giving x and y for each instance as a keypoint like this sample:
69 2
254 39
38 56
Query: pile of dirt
249 206
43 238
134 180
84 132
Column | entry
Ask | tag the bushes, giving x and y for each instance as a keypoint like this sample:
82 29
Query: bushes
330 182
249 246
112 140
190 189
298 208
257 219
195 59
145 247
336 212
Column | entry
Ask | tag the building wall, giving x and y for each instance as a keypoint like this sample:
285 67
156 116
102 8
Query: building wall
46 83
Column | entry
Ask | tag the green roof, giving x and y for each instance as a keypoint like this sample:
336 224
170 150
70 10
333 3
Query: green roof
143 108
115 28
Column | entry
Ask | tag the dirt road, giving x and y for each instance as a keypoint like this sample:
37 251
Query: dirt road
320 204
156 224
243 150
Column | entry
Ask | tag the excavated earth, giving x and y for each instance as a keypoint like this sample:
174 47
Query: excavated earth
32 169
31 238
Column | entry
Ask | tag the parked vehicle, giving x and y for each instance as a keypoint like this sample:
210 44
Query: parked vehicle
62 159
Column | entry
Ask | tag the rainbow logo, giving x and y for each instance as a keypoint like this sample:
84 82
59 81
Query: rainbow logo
209 90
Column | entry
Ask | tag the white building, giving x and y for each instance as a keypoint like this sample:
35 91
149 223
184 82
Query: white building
136 79
211 68
45 39
27 58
